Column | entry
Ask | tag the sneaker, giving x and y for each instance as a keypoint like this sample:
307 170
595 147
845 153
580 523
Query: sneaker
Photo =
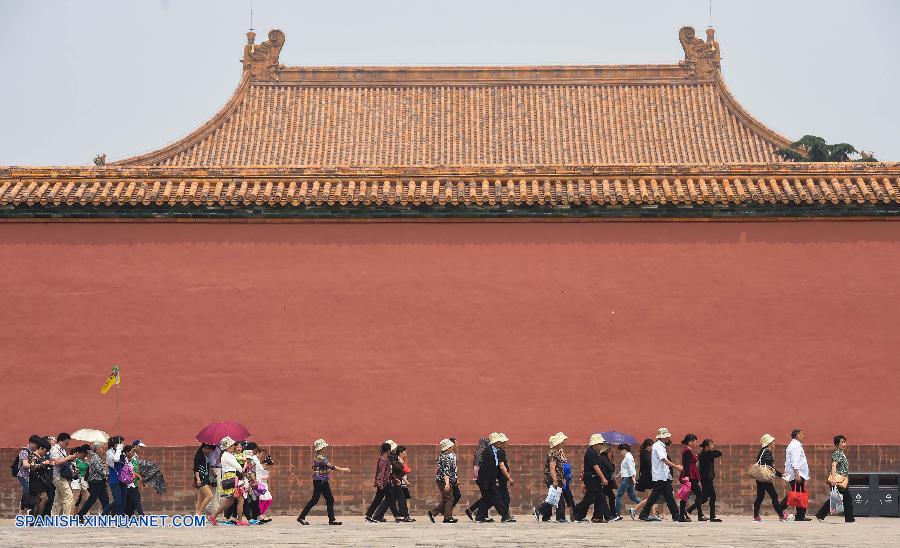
253 522
242 523
302 521
335 522
563 520
802 519
631 512
702 518
212 519
451 520
537 515
685 518
655 518
430 516
469 514
820 520
715 520
646 518
371 520
617 518
598 520
789 517
757 519
508 519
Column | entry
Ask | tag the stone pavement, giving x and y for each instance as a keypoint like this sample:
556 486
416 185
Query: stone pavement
735 531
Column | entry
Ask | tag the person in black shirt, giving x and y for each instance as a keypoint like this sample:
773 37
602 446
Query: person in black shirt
707 464
610 487
503 477
766 458
594 480
201 477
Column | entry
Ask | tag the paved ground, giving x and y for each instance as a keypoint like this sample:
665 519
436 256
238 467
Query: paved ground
734 531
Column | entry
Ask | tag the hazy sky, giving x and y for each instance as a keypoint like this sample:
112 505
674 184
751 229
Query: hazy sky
124 77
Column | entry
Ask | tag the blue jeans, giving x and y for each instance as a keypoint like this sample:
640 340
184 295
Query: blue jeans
118 504
25 490
627 486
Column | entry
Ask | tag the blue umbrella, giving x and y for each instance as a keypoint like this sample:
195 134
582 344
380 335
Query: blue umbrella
615 437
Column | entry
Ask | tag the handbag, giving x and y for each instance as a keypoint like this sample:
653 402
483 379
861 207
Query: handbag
229 483
684 492
838 480
65 471
836 501
553 495
761 472
797 498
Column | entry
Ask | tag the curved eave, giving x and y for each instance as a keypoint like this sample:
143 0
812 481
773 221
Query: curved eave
777 139
196 136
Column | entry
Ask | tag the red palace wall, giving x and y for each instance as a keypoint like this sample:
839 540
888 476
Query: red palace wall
357 332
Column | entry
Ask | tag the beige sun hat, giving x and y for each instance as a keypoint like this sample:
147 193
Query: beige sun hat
595 439
766 440
446 444
663 433
319 444
503 437
226 442
392 443
557 439
495 437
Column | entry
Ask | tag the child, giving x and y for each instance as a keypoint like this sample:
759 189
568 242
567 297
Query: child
689 471
707 458
321 487
628 473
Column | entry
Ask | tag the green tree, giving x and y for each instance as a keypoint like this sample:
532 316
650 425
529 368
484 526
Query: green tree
814 149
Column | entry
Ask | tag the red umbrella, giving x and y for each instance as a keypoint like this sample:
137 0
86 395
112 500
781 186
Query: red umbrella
218 430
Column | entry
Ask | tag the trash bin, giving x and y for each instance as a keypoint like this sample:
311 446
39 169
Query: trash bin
859 493
888 491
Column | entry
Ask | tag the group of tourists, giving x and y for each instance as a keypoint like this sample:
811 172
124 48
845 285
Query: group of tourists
59 479
237 471
605 488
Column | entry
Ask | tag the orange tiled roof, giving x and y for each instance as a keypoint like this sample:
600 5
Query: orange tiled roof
475 116
819 188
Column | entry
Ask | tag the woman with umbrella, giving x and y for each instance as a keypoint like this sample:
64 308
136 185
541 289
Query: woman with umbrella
232 481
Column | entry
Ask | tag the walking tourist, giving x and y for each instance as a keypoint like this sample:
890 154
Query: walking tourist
446 477
627 475
201 477
503 477
321 486
383 484
394 493
482 444
129 477
661 472
766 458
114 465
231 482
40 477
796 471
610 488
839 478
79 480
262 478
707 465
62 476
97 473
488 470
403 483
645 480
690 472
23 460
594 479
137 506
554 477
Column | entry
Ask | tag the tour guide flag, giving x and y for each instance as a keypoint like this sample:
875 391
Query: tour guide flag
112 379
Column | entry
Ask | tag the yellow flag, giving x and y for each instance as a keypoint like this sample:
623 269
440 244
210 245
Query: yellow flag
112 379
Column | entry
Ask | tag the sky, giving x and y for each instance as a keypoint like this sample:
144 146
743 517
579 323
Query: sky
125 77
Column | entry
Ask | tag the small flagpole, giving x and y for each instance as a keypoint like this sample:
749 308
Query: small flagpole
118 429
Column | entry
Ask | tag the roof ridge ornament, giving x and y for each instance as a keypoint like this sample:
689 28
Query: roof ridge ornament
701 58
262 60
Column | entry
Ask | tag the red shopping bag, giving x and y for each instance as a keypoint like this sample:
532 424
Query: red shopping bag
797 498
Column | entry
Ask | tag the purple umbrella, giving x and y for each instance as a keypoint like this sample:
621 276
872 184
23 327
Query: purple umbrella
615 437
218 430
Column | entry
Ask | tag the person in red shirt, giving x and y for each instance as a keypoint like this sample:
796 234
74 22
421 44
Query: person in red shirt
690 472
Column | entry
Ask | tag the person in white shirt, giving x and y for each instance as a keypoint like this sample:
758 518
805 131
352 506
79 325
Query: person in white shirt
628 474
232 483
796 470
62 501
662 477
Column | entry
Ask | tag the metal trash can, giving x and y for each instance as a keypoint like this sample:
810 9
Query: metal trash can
860 489
887 494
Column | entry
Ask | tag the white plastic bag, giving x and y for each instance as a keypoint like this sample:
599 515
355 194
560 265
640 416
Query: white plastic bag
553 495
836 500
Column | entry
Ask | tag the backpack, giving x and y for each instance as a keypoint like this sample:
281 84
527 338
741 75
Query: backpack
126 474
16 465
